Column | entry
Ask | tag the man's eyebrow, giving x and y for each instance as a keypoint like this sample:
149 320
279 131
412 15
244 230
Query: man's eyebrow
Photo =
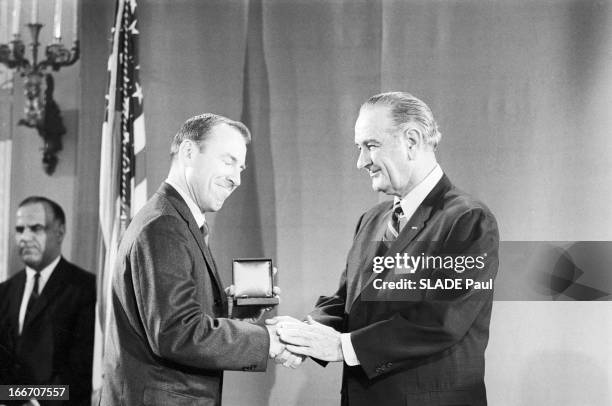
30 225
368 141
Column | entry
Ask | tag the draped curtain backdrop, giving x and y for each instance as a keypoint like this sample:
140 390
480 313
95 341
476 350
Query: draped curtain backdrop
522 91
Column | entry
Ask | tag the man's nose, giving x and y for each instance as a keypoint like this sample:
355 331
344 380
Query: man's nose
25 235
235 178
364 159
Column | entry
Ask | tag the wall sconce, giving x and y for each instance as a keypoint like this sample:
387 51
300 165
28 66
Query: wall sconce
40 109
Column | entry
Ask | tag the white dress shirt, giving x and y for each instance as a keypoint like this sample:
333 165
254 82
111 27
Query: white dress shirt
45 274
410 204
193 207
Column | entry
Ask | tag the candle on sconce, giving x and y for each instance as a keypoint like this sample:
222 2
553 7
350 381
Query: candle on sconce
57 21
16 12
4 37
34 17
75 24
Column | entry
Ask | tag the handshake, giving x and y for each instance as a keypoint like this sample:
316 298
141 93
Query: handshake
292 340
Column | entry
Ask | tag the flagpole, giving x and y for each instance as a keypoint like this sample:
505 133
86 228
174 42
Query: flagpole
107 206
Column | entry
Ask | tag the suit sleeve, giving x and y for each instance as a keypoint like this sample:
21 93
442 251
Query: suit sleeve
175 317
329 310
80 356
422 329
5 352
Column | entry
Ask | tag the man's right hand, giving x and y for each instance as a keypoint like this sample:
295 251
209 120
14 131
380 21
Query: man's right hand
276 347
285 357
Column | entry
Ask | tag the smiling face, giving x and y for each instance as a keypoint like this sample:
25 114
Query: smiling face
212 170
38 235
384 151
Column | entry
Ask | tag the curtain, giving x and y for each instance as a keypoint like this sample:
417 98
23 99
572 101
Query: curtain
522 92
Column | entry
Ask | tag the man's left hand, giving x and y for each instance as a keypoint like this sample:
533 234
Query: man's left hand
251 314
312 339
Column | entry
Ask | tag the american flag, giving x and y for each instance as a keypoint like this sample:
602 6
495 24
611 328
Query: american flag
123 186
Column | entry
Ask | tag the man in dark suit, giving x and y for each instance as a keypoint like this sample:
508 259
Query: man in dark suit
170 336
46 309
405 335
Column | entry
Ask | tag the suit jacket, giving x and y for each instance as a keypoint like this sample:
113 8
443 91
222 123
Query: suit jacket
56 344
421 346
169 335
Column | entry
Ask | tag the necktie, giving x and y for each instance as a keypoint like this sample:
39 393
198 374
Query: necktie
396 222
33 296
205 232
394 226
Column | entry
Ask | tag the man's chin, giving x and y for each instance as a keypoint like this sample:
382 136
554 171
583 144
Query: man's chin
378 187
31 262
212 205
218 205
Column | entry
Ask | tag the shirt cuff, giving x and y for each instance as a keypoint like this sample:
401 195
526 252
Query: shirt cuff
350 357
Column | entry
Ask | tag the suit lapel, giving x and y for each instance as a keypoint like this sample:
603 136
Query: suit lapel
366 247
53 287
419 219
212 266
181 206
411 230
15 302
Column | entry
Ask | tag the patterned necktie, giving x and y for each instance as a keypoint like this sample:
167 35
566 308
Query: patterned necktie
396 222
33 296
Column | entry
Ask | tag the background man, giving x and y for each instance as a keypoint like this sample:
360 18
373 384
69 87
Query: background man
170 338
421 347
46 309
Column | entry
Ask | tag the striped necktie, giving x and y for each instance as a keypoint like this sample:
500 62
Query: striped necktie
396 222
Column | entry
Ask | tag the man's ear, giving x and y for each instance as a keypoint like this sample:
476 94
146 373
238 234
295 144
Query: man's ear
186 150
61 232
413 139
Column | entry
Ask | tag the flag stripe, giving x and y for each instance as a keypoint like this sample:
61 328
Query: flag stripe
140 196
139 135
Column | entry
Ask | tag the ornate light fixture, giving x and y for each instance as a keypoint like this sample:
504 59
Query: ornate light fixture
41 111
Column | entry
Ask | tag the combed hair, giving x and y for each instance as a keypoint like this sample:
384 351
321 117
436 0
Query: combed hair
56 209
405 108
198 128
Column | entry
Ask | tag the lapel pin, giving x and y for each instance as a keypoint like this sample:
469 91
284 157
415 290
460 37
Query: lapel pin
414 227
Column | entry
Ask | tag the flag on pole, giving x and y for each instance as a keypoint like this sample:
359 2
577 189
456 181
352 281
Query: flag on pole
123 186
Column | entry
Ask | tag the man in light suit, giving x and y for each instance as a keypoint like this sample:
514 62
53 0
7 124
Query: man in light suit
46 309
417 345
170 336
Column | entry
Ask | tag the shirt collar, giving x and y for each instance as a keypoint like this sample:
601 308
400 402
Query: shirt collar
193 207
45 273
415 197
